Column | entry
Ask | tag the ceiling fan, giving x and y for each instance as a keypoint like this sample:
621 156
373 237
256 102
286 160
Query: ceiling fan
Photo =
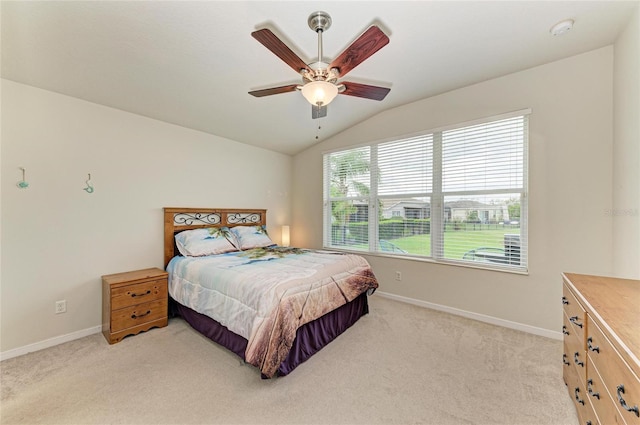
320 79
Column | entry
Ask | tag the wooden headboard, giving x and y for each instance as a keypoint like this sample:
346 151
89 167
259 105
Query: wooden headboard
178 219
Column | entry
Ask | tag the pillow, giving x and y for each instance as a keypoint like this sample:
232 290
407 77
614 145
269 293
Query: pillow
207 241
248 237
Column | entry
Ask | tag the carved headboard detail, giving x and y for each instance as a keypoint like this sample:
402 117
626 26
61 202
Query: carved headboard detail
178 219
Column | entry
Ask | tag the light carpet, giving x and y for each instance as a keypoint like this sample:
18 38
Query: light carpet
400 364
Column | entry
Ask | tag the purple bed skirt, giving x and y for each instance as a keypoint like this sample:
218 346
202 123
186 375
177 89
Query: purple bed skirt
310 338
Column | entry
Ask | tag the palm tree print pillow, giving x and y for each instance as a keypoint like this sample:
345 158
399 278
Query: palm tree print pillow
208 241
248 237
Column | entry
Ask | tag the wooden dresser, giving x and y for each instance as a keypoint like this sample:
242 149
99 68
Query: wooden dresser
602 348
133 302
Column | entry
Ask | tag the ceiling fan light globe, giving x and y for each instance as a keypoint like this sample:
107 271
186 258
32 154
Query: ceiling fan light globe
319 92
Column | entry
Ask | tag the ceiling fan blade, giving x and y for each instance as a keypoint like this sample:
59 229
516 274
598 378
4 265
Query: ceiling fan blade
318 111
274 90
281 50
365 90
366 45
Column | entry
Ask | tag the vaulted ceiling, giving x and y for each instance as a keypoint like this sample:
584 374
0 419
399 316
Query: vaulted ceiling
192 63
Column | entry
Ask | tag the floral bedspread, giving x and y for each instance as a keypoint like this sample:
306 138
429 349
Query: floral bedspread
266 294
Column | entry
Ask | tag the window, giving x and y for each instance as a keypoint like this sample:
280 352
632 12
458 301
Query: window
455 195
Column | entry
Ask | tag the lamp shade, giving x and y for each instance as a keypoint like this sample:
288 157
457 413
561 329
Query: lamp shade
285 236
319 93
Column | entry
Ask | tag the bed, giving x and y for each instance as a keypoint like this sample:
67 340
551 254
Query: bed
273 306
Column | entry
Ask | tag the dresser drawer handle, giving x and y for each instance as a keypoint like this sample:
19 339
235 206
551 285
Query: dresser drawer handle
590 389
564 330
578 399
133 316
565 361
576 360
565 301
634 409
574 320
141 295
591 347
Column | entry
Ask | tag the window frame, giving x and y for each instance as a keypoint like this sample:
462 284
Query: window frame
436 198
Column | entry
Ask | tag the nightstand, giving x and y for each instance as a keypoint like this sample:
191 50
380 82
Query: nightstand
133 302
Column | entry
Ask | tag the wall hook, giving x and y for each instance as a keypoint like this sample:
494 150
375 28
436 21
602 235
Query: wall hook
89 188
23 184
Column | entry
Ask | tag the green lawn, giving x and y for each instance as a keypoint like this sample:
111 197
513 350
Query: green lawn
456 243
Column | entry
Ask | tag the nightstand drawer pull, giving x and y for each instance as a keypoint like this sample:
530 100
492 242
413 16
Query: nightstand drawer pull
141 295
564 330
623 403
565 301
576 359
133 316
574 320
565 361
591 347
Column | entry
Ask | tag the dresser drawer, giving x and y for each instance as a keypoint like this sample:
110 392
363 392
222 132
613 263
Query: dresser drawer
574 354
621 383
580 397
576 314
603 405
132 316
567 327
569 372
130 295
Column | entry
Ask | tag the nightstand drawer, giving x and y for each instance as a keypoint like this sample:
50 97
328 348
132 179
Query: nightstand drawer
130 295
132 316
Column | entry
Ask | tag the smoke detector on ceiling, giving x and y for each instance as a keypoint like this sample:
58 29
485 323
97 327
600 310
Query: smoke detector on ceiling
562 27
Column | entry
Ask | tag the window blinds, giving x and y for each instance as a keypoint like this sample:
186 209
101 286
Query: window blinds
483 189
405 167
346 198
457 195
485 157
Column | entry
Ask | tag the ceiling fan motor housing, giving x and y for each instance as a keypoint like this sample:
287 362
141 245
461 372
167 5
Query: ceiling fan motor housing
319 72
319 21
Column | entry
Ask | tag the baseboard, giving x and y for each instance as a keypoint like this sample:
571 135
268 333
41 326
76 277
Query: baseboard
475 316
49 343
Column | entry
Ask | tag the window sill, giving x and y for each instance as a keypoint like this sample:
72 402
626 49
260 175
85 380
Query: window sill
479 266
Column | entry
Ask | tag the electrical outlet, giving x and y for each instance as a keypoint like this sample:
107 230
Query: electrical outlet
398 276
61 306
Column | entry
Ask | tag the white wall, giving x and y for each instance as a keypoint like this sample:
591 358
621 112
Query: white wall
625 208
570 137
58 240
